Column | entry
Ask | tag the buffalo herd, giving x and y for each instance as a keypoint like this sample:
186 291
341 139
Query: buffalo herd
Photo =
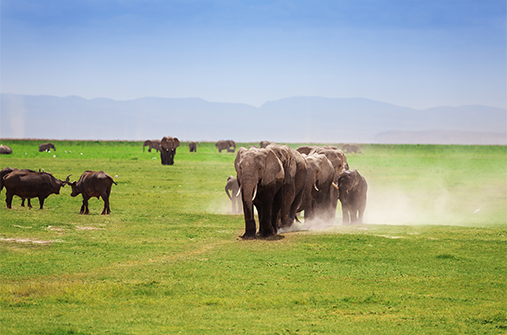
276 180
29 184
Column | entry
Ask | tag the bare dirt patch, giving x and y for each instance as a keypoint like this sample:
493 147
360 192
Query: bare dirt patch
28 240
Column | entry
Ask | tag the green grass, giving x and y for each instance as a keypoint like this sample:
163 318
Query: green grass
169 258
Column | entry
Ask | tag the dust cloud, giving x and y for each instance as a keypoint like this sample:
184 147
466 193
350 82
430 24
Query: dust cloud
419 202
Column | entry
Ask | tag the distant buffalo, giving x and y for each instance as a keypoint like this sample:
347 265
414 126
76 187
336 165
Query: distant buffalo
5 150
46 147
30 184
93 184
349 148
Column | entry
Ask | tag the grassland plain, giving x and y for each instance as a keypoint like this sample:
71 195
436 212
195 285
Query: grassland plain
431 257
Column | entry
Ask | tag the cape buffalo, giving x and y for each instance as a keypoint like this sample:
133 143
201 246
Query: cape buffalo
46 147
4 173
5 150
30 184
93 184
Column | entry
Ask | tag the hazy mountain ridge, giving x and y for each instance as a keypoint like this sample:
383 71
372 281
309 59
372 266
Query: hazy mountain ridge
297 119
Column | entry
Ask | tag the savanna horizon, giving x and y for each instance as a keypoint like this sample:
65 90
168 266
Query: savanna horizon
429 258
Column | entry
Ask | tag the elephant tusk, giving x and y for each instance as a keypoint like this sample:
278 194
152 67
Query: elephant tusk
315 187
334 185
255 193
239 191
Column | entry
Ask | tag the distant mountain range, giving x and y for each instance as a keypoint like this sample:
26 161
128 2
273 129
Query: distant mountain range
297 119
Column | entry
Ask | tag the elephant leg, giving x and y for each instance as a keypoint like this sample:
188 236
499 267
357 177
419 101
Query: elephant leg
233 201
249 222
288 199
353 215
269 210
345 213
265 220
294 207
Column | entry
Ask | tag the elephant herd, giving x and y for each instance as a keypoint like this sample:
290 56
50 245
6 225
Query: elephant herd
167 147
281 182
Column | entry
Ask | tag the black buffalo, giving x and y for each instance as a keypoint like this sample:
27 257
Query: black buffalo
5 150
5 172
46 147
28 184
93 184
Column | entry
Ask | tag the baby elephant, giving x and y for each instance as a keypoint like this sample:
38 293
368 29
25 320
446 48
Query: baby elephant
93 184
352 187
233 186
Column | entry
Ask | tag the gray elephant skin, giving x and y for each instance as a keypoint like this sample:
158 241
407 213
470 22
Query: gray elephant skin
260 176
235 195
353 189
339 162
264 144
317 192
152 144
46 147
168 147
228 145
295 169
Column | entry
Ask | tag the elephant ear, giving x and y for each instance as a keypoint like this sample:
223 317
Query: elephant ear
238 159
176 142
273 170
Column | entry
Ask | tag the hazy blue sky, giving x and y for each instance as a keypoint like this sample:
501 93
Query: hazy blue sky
415 53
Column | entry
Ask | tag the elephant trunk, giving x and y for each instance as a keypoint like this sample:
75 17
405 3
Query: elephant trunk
248 191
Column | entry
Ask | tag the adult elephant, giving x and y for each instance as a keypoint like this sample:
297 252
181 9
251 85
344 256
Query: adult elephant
152 144
264 144
260 177
319 181
294 166
192 146
235 195
228 145
353 188
46 147
5 150
339 162
168 147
